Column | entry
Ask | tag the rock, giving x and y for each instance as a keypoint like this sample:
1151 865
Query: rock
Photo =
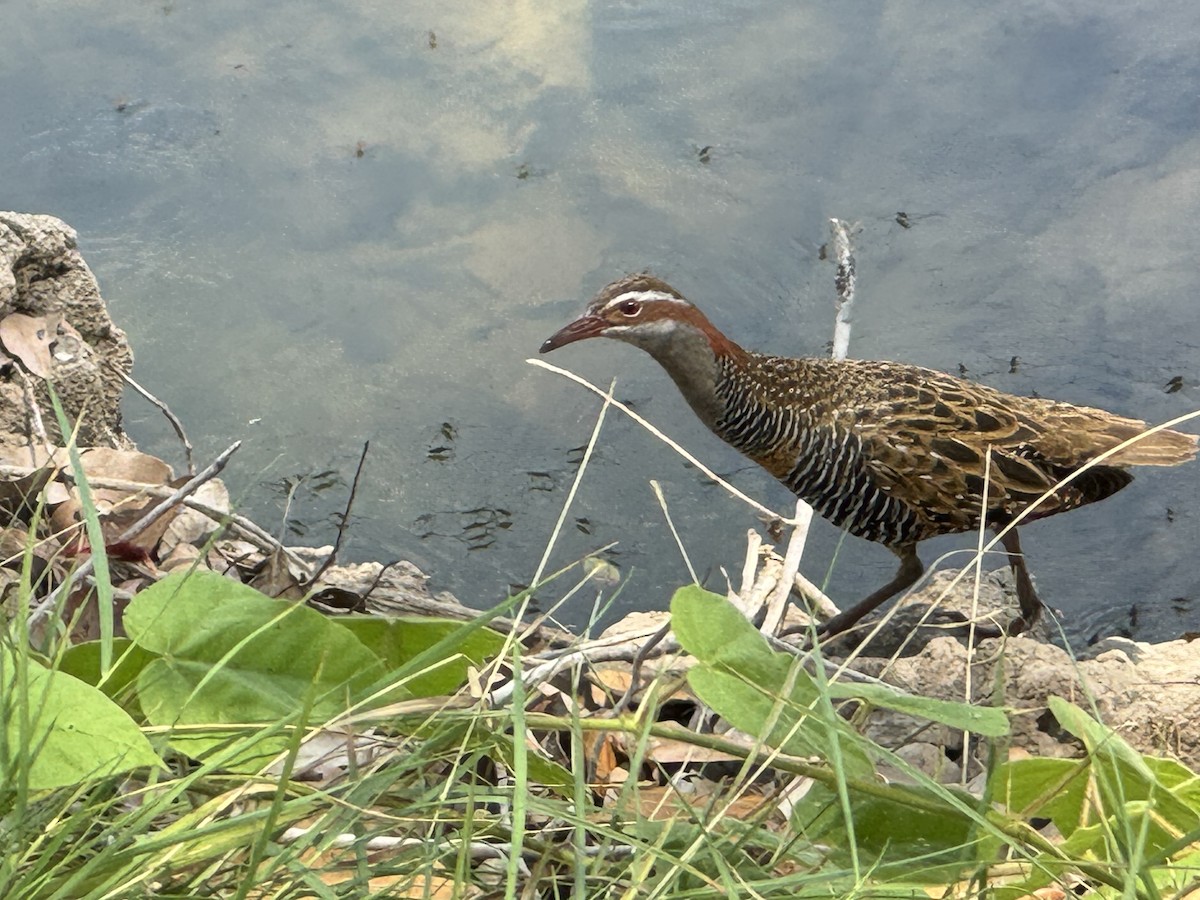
1147 692
930 759
942 607
1151 702
193 527
54 323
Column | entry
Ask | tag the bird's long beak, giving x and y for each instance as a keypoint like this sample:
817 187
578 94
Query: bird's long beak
582 328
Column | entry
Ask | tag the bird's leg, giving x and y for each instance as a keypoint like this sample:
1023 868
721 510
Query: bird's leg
1031 605
911 568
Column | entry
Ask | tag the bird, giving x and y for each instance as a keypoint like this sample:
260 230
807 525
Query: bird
891 452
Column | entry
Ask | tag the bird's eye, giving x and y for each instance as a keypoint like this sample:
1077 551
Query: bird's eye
630 308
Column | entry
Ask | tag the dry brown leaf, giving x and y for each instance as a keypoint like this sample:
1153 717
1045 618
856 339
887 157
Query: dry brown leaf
32 456
42 560
667 802
29 470
600 746
614 679
119 509
276 579
326 754
665 750
12 543
125 465
417 884
618 775
637 625
28 338
182 556
135 584
611 680
82 612
19 494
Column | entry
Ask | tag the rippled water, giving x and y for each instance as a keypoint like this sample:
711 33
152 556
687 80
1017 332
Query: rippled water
322 223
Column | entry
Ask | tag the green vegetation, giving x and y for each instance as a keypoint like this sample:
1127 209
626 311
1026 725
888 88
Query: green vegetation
216 742
189 767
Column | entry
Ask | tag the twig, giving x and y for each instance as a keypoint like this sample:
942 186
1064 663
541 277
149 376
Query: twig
657 641
620 639
844 281
239 525
342 526
621 648
777 599
815 596
593 652
246 529
189 487
753 545
166 411
42 609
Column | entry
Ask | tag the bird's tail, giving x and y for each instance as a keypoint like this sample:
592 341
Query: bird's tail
1163 448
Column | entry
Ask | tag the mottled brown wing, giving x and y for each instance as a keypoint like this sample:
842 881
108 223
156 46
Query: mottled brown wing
926 442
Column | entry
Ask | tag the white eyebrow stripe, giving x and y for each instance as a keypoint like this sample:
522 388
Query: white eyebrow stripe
643 297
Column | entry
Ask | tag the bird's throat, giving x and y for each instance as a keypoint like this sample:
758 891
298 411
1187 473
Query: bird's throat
691 360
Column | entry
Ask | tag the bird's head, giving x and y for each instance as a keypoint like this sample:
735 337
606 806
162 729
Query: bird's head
641 310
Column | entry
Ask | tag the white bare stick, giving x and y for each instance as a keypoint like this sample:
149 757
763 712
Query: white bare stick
766 579
816 598
36 427
591 654
777 599
844 301
753 545
843 255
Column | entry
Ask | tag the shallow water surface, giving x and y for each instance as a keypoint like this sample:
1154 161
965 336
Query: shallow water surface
326 222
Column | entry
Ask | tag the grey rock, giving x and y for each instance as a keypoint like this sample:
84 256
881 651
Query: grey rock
42 274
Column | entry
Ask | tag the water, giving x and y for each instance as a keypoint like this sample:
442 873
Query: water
322 223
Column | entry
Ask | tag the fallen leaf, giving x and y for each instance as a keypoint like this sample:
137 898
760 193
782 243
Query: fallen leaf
600 747
668 802
28 338
119 508
275 578
19 494
665 750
